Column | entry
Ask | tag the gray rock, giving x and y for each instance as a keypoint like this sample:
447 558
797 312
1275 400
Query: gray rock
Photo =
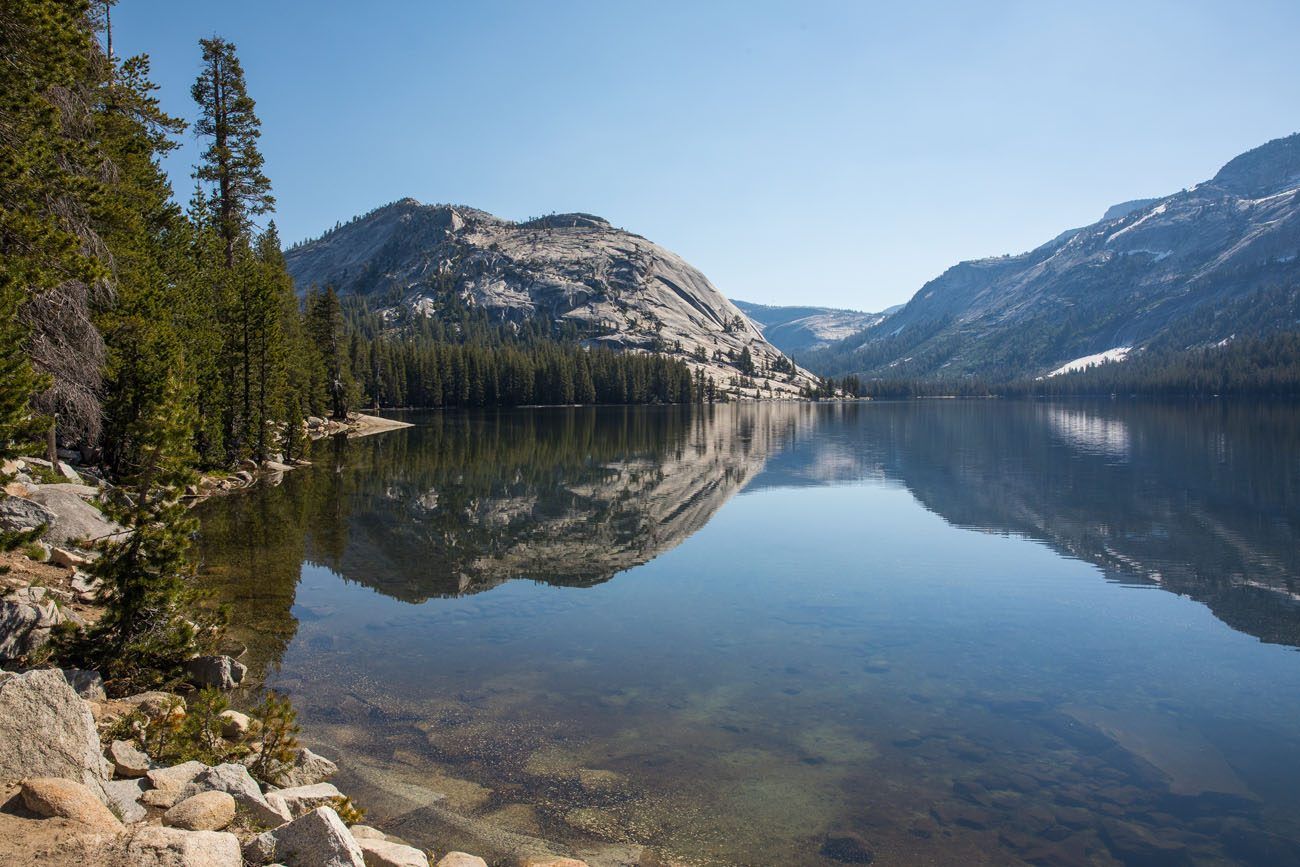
88 684
160 846
46 730
279 804
168 783
85 585
76 522
235 780
319 839
365 832
260 849
128 760
304 799
221 672
21 515
307 769
381 853
68 559
27 618
124 799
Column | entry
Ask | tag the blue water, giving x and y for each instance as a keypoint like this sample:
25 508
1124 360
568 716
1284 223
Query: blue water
952 633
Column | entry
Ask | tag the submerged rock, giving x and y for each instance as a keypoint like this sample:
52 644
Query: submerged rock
847 848
460 859
307 769
302 799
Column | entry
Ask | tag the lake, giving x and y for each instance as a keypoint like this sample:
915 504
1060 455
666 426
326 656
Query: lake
933 632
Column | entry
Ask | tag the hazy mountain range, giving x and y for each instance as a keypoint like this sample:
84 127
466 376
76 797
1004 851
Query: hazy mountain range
798 329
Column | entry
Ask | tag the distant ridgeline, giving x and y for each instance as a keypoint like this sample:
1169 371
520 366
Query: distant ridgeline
1198 291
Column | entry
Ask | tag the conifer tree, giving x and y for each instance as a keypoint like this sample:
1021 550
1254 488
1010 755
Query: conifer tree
143 639
49 274
232 163
325 325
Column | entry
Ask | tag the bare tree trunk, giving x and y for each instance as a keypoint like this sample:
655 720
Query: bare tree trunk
51 444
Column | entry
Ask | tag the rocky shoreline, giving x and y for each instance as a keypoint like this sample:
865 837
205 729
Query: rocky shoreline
272 471
77 781
75 792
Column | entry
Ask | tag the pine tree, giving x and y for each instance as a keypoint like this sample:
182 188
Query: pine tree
143 638
325 325
232 162
18 382
48 182
140 225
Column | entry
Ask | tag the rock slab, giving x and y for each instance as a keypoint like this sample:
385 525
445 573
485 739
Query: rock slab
318 838
124 799
159 846
303 799
21 515
307 769
46 730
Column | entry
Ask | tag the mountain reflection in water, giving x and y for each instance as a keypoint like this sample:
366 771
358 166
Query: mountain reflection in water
961 711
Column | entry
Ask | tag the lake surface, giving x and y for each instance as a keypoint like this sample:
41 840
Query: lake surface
941 632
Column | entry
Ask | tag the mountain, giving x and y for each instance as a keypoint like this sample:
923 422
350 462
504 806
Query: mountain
1188 270
798 329
607 285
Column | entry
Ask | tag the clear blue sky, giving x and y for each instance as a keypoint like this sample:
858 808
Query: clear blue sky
800 152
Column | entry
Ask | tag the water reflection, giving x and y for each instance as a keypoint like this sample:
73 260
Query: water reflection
827 668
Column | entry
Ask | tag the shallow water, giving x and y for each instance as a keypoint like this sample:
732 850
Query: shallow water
924 633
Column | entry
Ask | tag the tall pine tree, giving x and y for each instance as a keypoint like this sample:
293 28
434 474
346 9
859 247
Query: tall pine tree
232 163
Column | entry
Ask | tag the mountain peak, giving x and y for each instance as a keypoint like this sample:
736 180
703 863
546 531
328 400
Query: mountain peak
1267 169
607 286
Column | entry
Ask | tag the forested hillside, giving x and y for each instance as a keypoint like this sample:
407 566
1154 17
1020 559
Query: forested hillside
121 311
